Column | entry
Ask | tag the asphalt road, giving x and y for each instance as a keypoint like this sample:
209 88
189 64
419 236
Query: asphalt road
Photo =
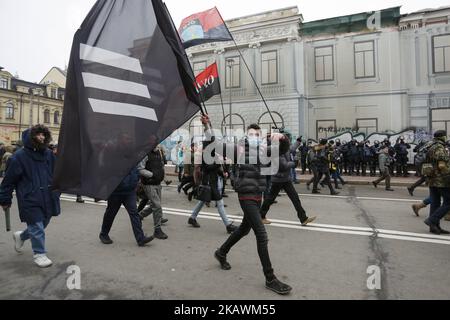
329 259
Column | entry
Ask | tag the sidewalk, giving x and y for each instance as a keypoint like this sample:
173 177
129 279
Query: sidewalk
352 180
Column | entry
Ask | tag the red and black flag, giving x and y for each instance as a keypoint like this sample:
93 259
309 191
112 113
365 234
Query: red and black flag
203 27
207 82
129 86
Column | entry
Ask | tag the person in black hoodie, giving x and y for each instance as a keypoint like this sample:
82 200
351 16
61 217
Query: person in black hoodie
124 194
283 180
250 185
151 170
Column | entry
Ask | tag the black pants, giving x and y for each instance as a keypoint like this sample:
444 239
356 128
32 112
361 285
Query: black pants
327 180
419 182
252 221
129 202
292 194
187 182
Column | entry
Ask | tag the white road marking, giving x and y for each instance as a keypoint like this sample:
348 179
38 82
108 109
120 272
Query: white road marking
351 230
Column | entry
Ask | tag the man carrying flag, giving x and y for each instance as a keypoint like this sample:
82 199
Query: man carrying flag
129 86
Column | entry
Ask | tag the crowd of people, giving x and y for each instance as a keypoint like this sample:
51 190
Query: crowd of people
28 170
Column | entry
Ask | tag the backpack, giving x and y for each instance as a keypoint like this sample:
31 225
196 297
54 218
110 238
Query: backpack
424 161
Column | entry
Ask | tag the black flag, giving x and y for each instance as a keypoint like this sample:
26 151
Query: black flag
129 86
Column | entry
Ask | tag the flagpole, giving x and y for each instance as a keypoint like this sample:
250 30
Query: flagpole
221 100
251 75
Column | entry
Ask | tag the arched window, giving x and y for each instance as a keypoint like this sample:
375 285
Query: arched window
47 116
9 111
237 125
266 123
56 117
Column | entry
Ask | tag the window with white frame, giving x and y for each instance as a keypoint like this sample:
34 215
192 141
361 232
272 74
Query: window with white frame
3 83
199 67
324 63
47 116
232 72
56 117
367 126
441 53
9 111
269 70
364 59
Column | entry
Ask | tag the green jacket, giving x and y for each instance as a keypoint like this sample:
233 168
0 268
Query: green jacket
437 153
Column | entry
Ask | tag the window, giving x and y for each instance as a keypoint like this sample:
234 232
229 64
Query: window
56 117
199 67
364 59
441 53
367 126
46 116
266 122
9 111
3 83
269 70
232 72
54 93
324 63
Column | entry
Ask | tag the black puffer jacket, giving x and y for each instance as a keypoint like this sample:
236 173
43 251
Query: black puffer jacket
249 183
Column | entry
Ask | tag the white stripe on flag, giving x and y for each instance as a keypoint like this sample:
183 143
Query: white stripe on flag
109 58
92 80
122 109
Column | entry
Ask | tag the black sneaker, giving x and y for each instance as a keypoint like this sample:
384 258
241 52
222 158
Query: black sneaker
411 191
277 286
164 220
144 241
389 189
193 223
222 260
105 239
159 234
334 193
231 228
374 184
224 196
190 195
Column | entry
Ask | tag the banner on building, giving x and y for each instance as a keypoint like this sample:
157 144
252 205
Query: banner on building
203 27
129 86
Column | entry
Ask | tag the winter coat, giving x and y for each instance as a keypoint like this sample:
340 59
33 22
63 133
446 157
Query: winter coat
30 173
128 185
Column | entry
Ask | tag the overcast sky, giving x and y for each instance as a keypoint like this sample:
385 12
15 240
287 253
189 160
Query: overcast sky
36 35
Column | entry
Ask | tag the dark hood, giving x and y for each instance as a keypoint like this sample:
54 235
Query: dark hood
35 153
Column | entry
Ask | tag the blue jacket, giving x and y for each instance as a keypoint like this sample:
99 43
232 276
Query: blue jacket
128 185
30 173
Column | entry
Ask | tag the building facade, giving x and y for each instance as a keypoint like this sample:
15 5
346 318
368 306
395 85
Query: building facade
24 104
363 73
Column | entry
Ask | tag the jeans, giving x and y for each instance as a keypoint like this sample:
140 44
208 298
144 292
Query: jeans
129 202
35 232
153 193
427 201
438 211
220 206
292 194
252 220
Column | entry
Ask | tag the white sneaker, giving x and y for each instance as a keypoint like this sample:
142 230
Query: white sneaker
18 243
42 261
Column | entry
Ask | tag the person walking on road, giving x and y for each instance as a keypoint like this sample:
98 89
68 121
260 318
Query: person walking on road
30 174
384 162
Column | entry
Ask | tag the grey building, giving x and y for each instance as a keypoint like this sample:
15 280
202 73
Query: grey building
364 73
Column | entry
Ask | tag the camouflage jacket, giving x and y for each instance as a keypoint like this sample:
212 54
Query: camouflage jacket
437 153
